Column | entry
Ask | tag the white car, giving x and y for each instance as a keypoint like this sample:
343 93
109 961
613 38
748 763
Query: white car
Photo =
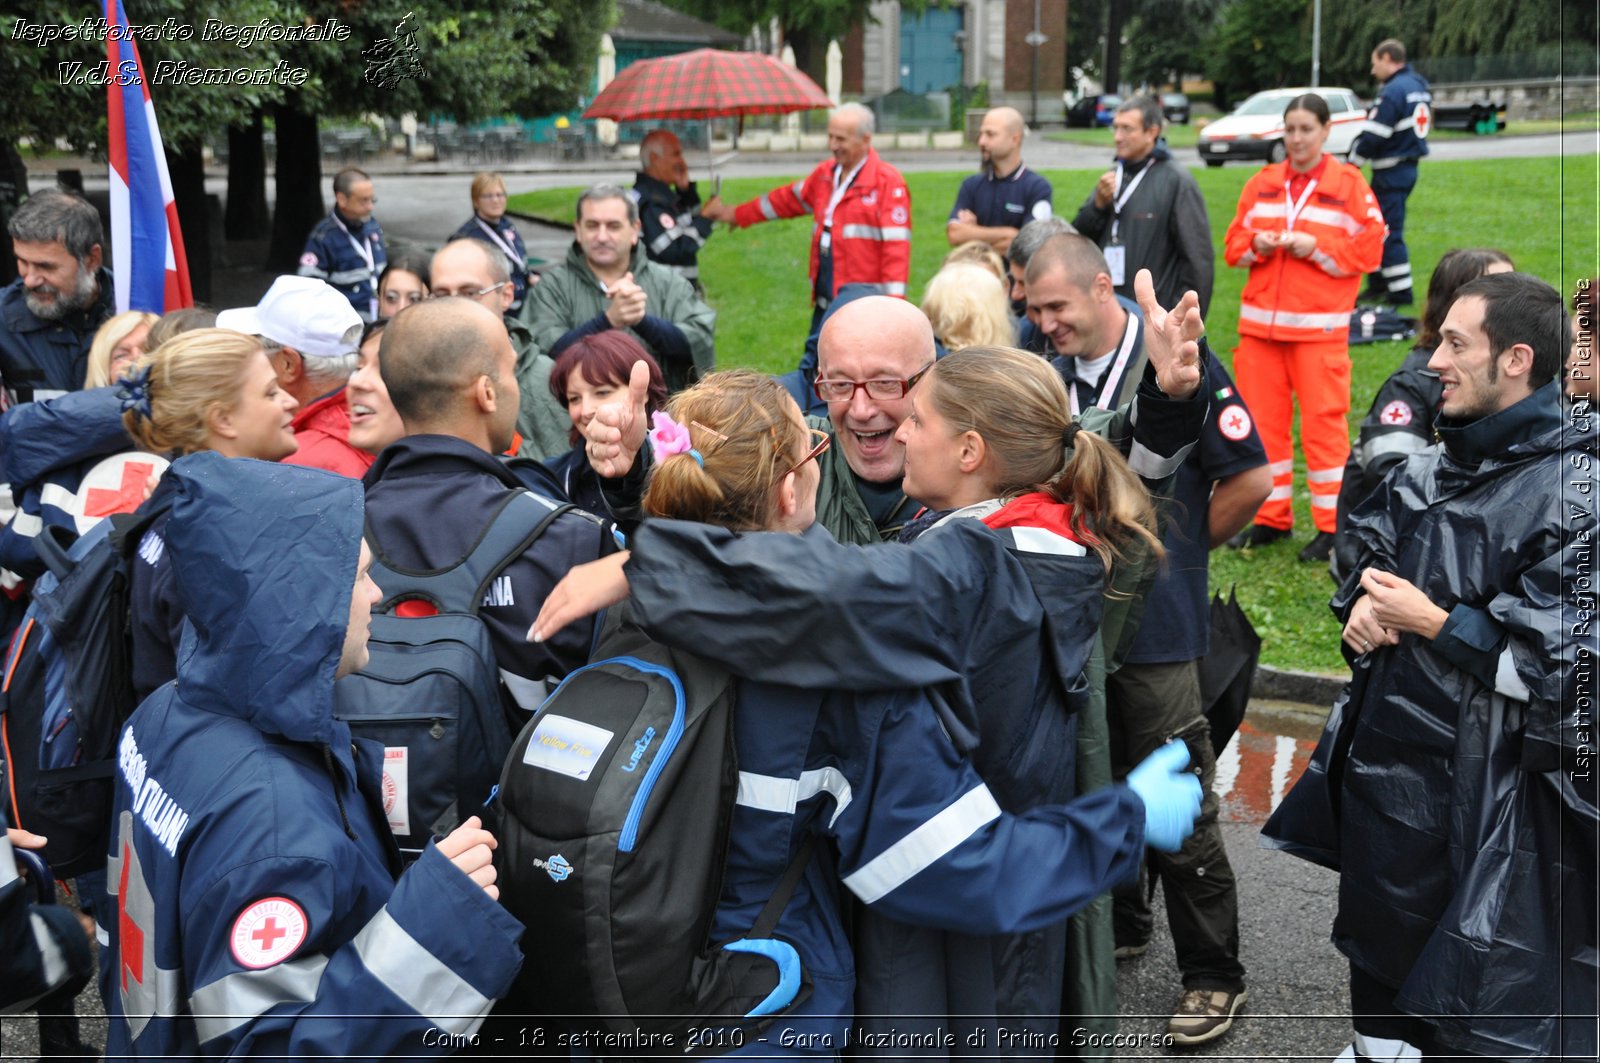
1255 128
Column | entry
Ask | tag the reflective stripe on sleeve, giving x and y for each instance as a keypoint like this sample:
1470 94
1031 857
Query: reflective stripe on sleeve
1376 128
894 288
1390 443
1385 164
349 276
772 793
1328 265
874 232
229 1003
27 525
915 852
51 959
766 209
799 190
1152 466
59 497
419 978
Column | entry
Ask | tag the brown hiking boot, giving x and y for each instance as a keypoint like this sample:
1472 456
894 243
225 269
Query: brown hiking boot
1204 1015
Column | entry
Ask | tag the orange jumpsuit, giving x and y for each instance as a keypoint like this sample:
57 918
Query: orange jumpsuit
1294 322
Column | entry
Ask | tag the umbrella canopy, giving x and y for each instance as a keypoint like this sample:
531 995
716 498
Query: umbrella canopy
706 83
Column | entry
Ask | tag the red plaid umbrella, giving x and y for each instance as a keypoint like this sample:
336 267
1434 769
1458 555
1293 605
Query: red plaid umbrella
706 83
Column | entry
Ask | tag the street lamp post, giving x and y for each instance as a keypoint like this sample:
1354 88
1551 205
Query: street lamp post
1034 40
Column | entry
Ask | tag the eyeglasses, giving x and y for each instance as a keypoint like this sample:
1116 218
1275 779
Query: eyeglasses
883 389
439 293
820 442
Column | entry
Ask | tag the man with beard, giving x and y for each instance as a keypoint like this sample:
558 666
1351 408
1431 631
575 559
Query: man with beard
49 314
992 205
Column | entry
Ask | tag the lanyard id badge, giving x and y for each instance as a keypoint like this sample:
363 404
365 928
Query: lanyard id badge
1117 263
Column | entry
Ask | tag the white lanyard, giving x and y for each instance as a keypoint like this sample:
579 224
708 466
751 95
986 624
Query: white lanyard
1119 197
511 252
1292 210
361 249
1112 378
839 189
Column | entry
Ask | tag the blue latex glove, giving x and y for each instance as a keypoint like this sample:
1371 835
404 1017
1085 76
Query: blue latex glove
1170 794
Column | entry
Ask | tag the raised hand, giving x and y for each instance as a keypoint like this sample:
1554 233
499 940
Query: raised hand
617 430
1171 338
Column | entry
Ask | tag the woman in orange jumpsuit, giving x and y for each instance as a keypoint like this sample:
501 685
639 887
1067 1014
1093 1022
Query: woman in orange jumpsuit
1308 229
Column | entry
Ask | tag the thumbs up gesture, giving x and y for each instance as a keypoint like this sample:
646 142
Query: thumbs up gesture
617 430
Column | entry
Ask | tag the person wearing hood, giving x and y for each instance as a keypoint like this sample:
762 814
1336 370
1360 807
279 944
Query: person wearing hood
607 282
1146 212
259 904
1453 788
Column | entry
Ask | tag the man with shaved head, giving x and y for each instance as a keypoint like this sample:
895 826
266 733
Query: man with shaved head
1006 195
451 374
471 269
1146 212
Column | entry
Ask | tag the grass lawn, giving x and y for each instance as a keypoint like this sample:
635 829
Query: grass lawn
1540 211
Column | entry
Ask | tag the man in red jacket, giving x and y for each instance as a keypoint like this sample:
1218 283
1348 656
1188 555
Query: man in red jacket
861 211
311 336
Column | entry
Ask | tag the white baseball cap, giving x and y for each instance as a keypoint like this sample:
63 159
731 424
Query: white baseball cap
300 312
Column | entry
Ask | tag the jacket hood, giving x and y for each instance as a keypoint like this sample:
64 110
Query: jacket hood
264 556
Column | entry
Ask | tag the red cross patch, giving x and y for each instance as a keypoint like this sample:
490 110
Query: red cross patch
1422 119
1397 412
268 932
1234 422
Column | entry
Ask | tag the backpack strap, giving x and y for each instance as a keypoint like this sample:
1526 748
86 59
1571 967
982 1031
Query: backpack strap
767 921
520 520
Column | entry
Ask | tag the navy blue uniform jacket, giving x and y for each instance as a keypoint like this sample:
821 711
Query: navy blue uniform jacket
256 909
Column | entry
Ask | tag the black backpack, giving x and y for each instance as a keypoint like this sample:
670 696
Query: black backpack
431 691
612 817
68 689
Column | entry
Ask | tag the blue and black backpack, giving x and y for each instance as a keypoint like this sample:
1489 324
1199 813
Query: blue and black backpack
612 817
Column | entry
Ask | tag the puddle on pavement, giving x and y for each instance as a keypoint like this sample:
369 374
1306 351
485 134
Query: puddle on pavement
1265 758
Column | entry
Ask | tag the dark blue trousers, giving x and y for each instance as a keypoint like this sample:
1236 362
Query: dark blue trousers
1391 187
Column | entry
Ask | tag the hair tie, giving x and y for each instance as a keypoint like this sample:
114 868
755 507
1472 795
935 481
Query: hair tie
1069 432
133 388
668 437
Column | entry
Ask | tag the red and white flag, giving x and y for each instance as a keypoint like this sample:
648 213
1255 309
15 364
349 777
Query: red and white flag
147 259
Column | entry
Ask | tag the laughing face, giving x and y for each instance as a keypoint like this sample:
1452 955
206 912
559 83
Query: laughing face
374 423
864 426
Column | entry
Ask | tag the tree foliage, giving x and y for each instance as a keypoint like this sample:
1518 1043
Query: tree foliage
520 57
44 100
1260 44
1165 39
